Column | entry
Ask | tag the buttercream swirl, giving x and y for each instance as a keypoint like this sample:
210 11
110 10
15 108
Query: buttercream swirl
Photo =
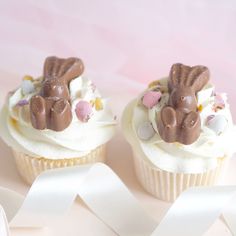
76 140
200 156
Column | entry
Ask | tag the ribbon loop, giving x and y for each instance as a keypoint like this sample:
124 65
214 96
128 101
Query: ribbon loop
54 191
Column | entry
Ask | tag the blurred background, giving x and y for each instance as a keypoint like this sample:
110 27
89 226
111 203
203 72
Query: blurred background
124 44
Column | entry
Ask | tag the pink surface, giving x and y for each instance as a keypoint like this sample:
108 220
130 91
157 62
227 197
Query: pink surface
124 44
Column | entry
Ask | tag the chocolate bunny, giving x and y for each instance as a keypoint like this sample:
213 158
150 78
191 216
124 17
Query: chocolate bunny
179 121
51 108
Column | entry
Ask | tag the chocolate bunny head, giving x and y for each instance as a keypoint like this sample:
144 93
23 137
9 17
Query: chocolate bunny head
51 108
184 82
57 75
179 121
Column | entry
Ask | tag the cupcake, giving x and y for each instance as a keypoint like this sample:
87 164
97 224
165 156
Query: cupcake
181 132
56 120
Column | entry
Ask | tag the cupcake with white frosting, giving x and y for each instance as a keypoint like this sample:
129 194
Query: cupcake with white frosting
181 132
57 120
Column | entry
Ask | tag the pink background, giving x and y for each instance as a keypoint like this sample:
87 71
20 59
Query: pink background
125 45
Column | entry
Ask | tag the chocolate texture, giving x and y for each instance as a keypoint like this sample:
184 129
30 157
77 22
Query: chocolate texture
51 108
179 121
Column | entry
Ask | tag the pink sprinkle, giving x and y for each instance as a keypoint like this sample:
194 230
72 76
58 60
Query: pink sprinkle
22 103
83 111
219 103
219 98
151 98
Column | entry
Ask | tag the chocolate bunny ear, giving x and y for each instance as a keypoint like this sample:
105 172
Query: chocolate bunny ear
178 73
198 77
66 69
186 76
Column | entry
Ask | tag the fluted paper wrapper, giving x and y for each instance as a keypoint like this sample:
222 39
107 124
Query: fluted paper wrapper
30 167
166 185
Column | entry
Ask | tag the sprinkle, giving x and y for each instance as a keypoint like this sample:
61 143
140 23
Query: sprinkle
28 77
92 103
177 144
22 103
14 121
145 131
27 87
209 118
163 89
217 123
98 104
151 98
219 103
200 108
154 83
83 111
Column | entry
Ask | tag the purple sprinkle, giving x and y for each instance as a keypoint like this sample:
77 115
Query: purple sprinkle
209 118
22 103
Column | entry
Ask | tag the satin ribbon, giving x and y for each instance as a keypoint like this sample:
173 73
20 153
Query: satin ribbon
54 191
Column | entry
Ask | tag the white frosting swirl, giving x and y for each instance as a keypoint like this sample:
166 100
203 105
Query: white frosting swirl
198 157
75 141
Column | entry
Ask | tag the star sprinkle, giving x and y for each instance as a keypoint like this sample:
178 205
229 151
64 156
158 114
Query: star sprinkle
98 104
28 77
200 108
83 111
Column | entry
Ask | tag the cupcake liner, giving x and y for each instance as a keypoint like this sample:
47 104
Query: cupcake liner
167 186
30 167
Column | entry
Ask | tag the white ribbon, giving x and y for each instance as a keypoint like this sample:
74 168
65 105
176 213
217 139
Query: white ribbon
54 191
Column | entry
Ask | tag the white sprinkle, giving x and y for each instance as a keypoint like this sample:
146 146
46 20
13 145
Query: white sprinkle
218 124
145 130
27 87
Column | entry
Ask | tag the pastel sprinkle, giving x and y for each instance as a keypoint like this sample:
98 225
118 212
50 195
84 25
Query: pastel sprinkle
209 118
28 77
217 123
177 144
98 104
200 108
22 103
92 102
27 87
219 103
145 131
83 111
151 98
154 83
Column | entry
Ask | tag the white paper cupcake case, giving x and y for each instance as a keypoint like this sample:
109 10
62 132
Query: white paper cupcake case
30 167
166 185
